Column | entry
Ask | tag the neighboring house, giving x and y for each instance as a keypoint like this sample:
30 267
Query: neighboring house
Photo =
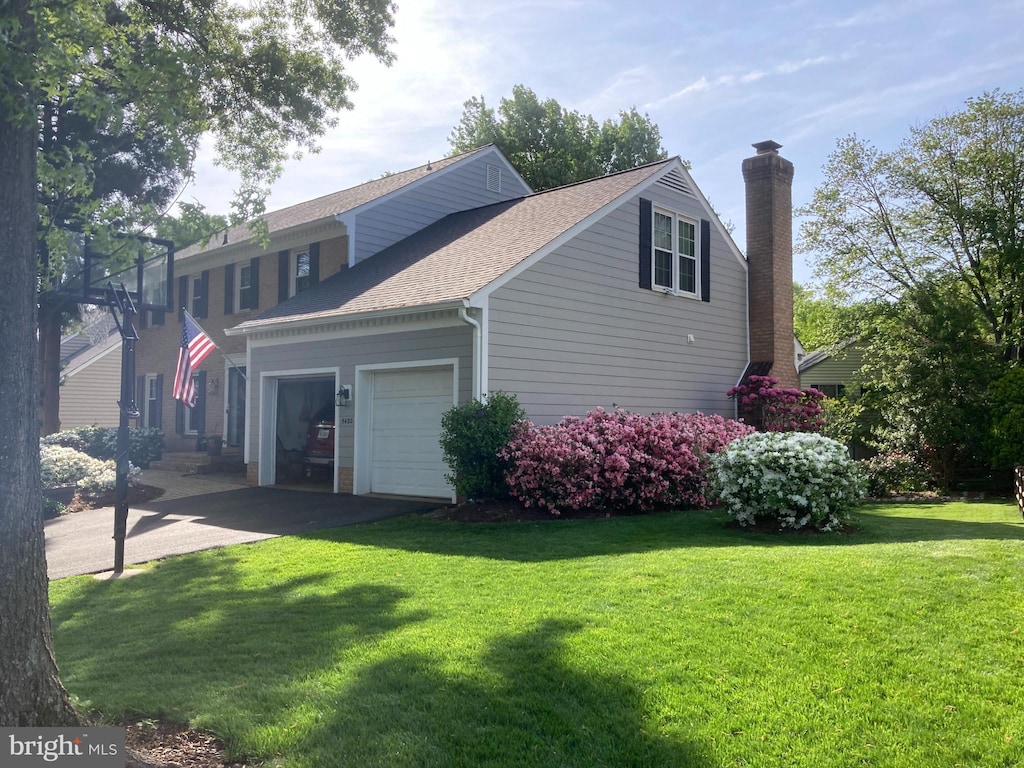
832 370
91 376
406 295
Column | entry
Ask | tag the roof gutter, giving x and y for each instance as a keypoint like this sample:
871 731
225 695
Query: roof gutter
289 323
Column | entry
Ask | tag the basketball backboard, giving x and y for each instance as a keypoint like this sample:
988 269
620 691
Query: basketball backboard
85 267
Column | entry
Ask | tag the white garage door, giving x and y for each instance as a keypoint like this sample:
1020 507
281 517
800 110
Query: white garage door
405 454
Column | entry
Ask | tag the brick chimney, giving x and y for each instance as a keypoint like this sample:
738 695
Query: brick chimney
768 178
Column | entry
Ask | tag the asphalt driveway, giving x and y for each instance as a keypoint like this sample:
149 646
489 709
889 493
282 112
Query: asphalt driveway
215 515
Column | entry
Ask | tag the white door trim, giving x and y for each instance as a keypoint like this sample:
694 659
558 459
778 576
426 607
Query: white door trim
268 418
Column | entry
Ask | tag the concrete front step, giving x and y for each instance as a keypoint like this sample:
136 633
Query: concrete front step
196 463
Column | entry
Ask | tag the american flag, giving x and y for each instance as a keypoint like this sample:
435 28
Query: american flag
196 346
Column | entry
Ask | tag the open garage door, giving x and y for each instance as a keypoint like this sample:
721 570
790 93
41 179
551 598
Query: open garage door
405 449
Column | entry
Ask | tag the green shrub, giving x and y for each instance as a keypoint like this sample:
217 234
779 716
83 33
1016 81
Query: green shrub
894 473
796 479
145 444
471 436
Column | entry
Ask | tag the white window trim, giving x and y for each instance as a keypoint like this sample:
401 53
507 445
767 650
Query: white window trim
149 386
192 295
293 267
238 283
674 289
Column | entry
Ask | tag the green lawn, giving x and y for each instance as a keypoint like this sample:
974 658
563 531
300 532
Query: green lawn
664 640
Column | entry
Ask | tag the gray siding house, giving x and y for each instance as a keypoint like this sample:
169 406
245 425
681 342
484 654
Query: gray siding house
625 290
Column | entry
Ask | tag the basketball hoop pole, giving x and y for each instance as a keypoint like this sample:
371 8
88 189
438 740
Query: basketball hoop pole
121 301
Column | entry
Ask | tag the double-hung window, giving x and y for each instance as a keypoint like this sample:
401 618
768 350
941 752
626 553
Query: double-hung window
674 253
243 299
299 272
196 303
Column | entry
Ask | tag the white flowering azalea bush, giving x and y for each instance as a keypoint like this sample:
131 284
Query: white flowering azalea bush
62 466
798 479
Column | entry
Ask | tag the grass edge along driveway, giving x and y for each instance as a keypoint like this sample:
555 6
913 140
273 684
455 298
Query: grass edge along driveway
665 640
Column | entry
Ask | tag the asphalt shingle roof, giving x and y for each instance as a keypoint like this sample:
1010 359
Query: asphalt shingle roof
326 206
458 255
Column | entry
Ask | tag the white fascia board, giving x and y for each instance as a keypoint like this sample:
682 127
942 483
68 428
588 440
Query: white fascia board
477 297
313 322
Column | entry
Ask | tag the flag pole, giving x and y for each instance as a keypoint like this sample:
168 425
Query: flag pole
226 356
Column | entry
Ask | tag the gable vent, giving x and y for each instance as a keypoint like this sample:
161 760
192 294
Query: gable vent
493 178
674 180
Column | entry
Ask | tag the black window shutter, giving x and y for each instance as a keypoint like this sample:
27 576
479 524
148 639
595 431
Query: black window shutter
159 401
254 283
705 260
204 304
143 317
646 223
179 417
229 290
314 264
199 412
282 275
157 317
182 297
140 401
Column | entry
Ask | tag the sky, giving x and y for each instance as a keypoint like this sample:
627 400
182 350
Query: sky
714 76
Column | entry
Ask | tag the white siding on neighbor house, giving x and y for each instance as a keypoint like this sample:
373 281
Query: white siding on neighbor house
345 354
457 189
91 388
576 331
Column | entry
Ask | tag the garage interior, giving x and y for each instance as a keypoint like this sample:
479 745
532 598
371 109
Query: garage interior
298 402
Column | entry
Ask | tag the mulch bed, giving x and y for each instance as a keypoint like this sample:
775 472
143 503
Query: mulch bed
508 511
162 745
136 495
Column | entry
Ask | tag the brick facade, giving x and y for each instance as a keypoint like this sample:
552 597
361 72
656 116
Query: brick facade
768 180
157 348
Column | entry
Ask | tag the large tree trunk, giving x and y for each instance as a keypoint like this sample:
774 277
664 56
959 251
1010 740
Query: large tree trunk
50 329
31 693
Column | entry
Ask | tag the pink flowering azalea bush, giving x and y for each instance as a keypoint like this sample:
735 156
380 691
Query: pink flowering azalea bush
617 461
777 409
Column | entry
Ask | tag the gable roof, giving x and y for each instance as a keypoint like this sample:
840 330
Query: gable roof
454 258
328 206
820 355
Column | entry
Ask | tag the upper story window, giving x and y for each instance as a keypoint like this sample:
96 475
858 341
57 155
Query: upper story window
243 291
674 253
196 296
299 272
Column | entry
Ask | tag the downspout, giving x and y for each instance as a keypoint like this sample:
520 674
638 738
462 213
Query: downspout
478 339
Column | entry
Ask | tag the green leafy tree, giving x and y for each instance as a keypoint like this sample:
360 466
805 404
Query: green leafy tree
552 146
824 322
264 79
929 364
948 204
191 225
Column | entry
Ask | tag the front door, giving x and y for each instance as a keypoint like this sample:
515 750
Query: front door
236 406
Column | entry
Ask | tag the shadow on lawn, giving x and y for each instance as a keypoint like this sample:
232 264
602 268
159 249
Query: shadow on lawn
520 705
259 663
191 637
567 539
